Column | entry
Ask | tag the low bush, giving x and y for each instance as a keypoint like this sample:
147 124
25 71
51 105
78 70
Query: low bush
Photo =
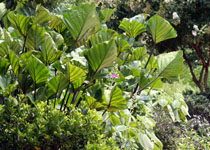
199 104
42 127
193 134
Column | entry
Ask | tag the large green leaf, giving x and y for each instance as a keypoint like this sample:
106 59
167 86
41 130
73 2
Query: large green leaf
35 37
4 65
114 100
80 20
74 73
160 29
58 83
107 13
102 55
20 22
42 16
49 52
132 28
38 71
102 36
170 64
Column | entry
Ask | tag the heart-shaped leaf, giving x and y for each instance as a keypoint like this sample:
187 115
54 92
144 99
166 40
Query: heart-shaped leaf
102 55
74 73
170 64
81 20
132 28
38 71
160 29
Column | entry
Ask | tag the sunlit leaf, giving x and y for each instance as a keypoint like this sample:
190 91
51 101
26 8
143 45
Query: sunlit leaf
38 71
160 29
81 20
170 64
101 55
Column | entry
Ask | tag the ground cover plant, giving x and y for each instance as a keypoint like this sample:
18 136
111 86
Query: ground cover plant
67 81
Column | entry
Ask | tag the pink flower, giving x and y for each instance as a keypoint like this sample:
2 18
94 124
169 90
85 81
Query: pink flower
114 76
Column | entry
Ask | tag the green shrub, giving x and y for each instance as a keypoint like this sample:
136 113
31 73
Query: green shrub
191 135
199 105
42 127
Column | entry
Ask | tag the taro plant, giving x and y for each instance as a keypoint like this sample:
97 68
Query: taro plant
70 56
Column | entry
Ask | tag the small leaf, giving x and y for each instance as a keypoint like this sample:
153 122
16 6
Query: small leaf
132 28
122 45
145 142
114 119
74 73
107 13
140 53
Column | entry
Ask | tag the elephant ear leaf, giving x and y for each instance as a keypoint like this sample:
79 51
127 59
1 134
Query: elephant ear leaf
38 71
102 36
114 100
160 29
20 22
102 55
42 16
58 83
132 27
35 37
74 73
81 20
49 52
170 64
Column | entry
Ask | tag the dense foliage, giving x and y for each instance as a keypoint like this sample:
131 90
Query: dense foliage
68 81
42 127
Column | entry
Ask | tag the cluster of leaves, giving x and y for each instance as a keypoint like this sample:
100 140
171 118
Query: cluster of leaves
42 127
66 56
190 21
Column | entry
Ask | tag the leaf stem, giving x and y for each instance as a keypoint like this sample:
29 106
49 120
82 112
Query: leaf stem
64 97
150 56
